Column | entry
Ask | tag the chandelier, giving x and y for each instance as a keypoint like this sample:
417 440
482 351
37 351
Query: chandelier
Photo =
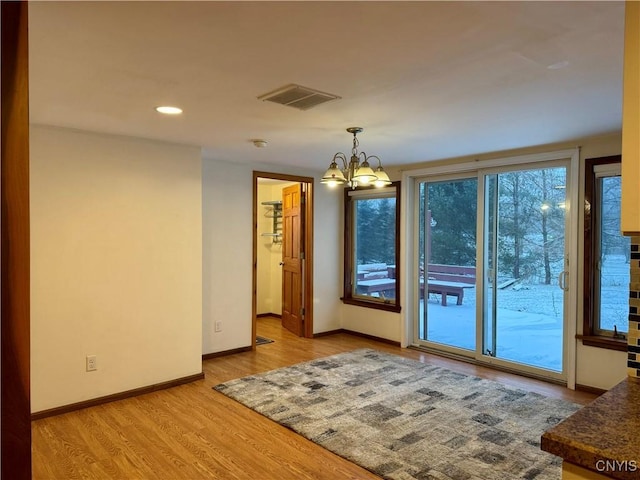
354 173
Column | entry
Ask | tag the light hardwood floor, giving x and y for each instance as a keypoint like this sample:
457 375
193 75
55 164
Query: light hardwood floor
193 432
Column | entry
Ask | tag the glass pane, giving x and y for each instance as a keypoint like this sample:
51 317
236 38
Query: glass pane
490 258
447 272
528 255
375 248
612 284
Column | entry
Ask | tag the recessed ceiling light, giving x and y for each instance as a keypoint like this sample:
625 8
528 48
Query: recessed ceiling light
167 110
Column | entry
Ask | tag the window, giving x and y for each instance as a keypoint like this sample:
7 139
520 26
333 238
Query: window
607 254
371 247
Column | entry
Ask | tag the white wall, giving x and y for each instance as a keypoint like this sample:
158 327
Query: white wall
372 322
328 253
227 253
115 264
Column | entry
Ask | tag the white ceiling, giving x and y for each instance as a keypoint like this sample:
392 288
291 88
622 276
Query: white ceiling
426 80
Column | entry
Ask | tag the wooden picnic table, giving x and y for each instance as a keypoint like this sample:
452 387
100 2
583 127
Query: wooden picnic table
441 287
376 285
445 288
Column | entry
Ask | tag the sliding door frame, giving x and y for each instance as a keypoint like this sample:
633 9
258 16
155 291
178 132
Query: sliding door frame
566 313
416 307
411 179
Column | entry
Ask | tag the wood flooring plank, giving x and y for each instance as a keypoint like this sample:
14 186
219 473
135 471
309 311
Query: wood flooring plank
193 432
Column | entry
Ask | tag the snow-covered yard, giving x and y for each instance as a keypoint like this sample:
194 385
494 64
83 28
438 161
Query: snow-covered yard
529 317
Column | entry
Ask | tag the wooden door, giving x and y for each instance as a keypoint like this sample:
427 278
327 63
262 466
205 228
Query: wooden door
292 259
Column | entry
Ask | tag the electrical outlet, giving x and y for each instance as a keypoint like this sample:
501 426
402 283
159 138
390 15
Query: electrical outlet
92 363
218 326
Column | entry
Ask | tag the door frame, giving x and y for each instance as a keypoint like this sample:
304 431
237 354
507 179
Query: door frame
307 239
426 343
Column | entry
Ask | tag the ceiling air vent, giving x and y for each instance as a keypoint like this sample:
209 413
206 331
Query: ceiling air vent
299 97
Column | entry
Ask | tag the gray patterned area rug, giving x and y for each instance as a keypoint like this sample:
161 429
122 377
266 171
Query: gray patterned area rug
407 420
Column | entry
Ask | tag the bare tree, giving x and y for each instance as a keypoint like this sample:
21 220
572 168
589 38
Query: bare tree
545 233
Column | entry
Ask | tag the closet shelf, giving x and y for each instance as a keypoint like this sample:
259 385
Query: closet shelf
274 211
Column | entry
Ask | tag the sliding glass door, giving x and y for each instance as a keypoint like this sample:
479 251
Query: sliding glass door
492 266
525 267
447 267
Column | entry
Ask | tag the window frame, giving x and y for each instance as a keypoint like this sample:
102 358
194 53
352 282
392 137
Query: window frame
349 249
591 334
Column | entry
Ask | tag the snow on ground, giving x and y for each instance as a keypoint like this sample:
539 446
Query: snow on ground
615 293
529 317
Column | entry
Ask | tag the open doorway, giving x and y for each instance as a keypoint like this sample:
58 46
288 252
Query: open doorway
283 251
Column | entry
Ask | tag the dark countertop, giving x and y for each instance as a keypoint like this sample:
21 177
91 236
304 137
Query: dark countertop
602 435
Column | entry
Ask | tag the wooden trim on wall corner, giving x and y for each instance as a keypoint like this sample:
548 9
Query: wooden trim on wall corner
309 257
15 410
116 396
610 343
330 332
208 356
261 315
357 334
373 337
588 389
